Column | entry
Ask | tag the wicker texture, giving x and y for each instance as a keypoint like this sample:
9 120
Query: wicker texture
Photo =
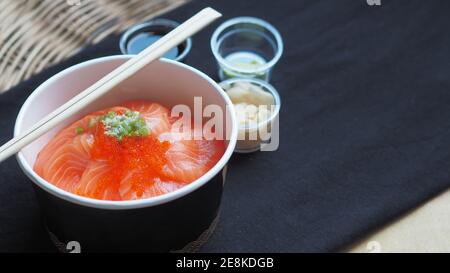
37 33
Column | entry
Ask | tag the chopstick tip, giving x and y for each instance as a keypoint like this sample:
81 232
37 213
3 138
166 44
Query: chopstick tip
212 12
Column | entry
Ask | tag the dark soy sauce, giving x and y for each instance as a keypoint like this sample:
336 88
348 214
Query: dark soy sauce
142 40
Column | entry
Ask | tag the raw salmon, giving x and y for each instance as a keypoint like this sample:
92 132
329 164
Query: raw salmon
84 160
188 159
156 116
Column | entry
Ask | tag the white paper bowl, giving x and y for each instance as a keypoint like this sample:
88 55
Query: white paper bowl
164 81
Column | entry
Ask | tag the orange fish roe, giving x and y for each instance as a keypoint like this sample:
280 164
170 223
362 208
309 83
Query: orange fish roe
119 154
143 157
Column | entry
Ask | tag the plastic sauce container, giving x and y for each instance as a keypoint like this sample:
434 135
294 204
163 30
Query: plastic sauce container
257 105
246 47
140 36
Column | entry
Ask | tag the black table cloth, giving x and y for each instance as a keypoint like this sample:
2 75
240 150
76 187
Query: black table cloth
365 127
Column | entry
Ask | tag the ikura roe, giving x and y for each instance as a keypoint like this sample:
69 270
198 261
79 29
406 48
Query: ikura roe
124 153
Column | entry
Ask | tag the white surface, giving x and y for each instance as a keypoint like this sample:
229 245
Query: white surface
425 229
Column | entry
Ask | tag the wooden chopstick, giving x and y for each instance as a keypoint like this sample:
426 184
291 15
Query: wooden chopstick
105 84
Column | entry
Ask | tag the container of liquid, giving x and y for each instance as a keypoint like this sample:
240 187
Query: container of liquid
246 47
140 36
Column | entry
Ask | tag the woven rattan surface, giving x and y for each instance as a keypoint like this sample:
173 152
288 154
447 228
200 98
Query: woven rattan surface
37 33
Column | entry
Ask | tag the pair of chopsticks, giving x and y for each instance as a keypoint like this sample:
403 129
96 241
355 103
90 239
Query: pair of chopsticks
101 87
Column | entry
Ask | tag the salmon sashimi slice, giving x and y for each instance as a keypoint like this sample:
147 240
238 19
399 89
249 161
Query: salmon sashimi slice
65 166
155 115
94 185
129 189
189 159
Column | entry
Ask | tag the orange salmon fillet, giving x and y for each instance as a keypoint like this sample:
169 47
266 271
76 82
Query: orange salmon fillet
66 161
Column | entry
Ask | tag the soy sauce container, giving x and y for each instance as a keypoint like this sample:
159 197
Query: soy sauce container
139 37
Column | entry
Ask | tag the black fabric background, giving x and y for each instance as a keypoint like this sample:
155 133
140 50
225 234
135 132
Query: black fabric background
365 126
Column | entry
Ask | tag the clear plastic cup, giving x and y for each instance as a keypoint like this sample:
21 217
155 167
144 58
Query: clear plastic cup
140 36
246 47
264 135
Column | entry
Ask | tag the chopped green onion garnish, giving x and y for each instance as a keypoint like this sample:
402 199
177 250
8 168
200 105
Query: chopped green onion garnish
79 130
129 124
